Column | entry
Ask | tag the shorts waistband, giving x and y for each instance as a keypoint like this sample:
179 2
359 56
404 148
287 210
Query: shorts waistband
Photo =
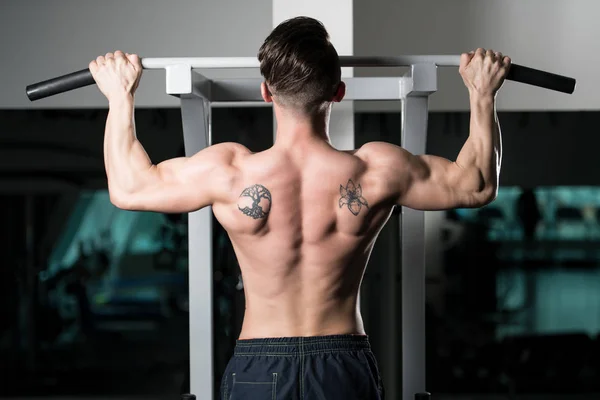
286 346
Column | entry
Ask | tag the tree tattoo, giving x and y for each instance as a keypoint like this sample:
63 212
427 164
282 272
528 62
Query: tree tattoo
255 201
352 197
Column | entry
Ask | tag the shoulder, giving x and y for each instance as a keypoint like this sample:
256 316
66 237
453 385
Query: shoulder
222 153
382 153
231 148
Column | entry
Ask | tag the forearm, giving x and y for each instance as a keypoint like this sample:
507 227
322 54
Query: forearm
127 163
482 152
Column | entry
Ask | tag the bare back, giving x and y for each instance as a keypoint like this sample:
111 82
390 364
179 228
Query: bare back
303 224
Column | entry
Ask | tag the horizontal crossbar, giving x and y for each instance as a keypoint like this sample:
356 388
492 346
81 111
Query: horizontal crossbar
248 89
346 61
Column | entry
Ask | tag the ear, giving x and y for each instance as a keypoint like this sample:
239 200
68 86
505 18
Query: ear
339 93
266 94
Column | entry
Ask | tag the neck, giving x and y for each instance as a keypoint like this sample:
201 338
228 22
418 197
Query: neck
294 128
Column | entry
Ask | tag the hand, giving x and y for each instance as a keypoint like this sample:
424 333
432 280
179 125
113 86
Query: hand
117 74
483 72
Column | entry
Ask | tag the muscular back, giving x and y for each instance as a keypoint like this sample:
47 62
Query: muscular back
303 218
303 224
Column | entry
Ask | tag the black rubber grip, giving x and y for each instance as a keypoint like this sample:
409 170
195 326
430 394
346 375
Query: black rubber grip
60 84
546 80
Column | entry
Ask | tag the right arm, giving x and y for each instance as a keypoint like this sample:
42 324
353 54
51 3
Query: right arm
428 182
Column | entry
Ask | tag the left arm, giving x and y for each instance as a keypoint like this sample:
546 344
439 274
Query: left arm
178 185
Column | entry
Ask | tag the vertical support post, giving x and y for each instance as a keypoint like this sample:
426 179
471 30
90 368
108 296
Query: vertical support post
415 109
195 113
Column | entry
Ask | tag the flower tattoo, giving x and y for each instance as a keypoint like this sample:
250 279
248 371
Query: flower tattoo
352 197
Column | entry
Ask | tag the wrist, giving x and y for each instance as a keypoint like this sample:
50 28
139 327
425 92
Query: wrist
477 98
120 100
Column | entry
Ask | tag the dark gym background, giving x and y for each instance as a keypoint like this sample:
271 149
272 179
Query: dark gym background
93 300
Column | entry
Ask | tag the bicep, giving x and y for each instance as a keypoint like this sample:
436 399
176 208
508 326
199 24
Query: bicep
436 183
424 182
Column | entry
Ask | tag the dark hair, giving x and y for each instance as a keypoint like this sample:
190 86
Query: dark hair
300 65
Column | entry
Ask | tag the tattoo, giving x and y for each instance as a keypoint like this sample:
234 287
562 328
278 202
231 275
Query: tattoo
352 197
255 201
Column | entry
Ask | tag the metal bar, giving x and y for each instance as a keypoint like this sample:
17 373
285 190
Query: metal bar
175 66
366 88
400 61
181 80
341 126
414 120
414 137
195 112
238 89
346 61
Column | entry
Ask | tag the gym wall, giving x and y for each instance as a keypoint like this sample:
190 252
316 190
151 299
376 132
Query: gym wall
558 36
43 39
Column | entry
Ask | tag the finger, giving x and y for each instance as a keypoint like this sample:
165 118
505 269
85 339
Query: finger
465 58
120 58
498 59
100 61
506 63
480 52
135 60
93 66
490 54
109 59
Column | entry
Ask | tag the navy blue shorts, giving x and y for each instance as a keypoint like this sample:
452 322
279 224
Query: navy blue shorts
303 368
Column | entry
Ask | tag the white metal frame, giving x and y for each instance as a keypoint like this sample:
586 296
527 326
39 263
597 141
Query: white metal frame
198 93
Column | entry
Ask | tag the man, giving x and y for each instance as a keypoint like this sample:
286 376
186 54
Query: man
302 216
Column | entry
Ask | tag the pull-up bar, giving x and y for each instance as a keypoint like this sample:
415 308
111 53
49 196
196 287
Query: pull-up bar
517 73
